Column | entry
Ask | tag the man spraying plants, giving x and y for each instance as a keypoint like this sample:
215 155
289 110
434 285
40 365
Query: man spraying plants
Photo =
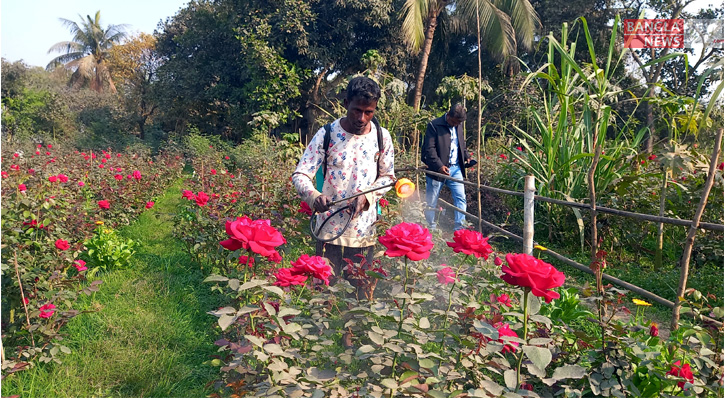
354 154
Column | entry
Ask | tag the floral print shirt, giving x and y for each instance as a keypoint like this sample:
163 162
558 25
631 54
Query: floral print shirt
352 161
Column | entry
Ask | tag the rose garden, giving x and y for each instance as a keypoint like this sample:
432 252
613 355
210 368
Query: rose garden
154 244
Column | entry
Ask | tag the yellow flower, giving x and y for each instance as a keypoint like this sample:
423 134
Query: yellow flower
539 247
99 222
641 302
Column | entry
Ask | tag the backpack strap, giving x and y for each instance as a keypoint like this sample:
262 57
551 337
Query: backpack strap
322 171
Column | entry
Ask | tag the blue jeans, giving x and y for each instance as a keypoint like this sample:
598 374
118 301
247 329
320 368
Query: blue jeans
433 190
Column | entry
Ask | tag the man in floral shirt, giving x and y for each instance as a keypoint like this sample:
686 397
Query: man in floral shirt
354 164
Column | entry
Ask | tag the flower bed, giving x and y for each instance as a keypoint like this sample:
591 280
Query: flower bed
480 326
55 199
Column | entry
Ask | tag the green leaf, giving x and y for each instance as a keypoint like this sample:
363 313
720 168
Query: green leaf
226 320
569 372
510 378
424 323
65 350
376 338
233 284
540 356
364 349
389 383
534 304
427 363
274 289
288 311
210 278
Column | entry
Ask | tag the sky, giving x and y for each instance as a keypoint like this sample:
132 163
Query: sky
28 28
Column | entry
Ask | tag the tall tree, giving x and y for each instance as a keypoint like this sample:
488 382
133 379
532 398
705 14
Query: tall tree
133 66
86 54
504 24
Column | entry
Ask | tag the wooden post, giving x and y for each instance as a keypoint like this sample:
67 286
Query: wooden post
690 241
529 191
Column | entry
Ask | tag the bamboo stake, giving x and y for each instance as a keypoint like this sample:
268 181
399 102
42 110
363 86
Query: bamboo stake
529 188
660 225
478 120
22 295
690 241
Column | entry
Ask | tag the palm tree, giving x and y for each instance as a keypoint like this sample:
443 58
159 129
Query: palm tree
504 25
86 54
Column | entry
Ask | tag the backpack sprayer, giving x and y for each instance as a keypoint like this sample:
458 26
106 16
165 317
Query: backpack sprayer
403 188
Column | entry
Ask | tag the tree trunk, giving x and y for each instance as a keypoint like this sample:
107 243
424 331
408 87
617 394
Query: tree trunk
427 44
690 241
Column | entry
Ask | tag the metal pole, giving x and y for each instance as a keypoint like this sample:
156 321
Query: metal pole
529 189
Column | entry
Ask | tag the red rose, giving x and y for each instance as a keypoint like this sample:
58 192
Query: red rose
136 175
62 178
683 372
384 203
52 179
504 299
80 265
409 240
47 310
470 242
62 245
246 260
258 236
503 156
305 208
118 177
721 166
446 276
201 199
226 157
519 148
285 278
4 174
528 271
497 261
22 187
213 171
149 204
274 257
652 157
312 266
104 204
504 330
187 194
653 331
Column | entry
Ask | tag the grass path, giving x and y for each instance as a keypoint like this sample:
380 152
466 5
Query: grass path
150 335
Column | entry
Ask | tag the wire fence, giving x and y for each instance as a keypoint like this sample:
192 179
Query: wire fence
527 239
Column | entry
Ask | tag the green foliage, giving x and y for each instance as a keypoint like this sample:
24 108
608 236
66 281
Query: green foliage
567 308
107 250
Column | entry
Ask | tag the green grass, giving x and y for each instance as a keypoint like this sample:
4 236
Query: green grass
150 335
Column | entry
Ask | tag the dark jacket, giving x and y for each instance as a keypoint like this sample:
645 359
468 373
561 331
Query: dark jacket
437 147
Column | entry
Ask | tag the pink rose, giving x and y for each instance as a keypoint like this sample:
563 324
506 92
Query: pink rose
149 204
312 266
80 265
104 204
258 236
446 276
409 240
62 178
201 199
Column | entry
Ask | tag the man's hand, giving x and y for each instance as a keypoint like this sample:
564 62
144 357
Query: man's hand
322 203
444 170
359 204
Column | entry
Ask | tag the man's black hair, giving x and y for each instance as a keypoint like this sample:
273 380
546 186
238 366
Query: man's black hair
457 111
363 88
